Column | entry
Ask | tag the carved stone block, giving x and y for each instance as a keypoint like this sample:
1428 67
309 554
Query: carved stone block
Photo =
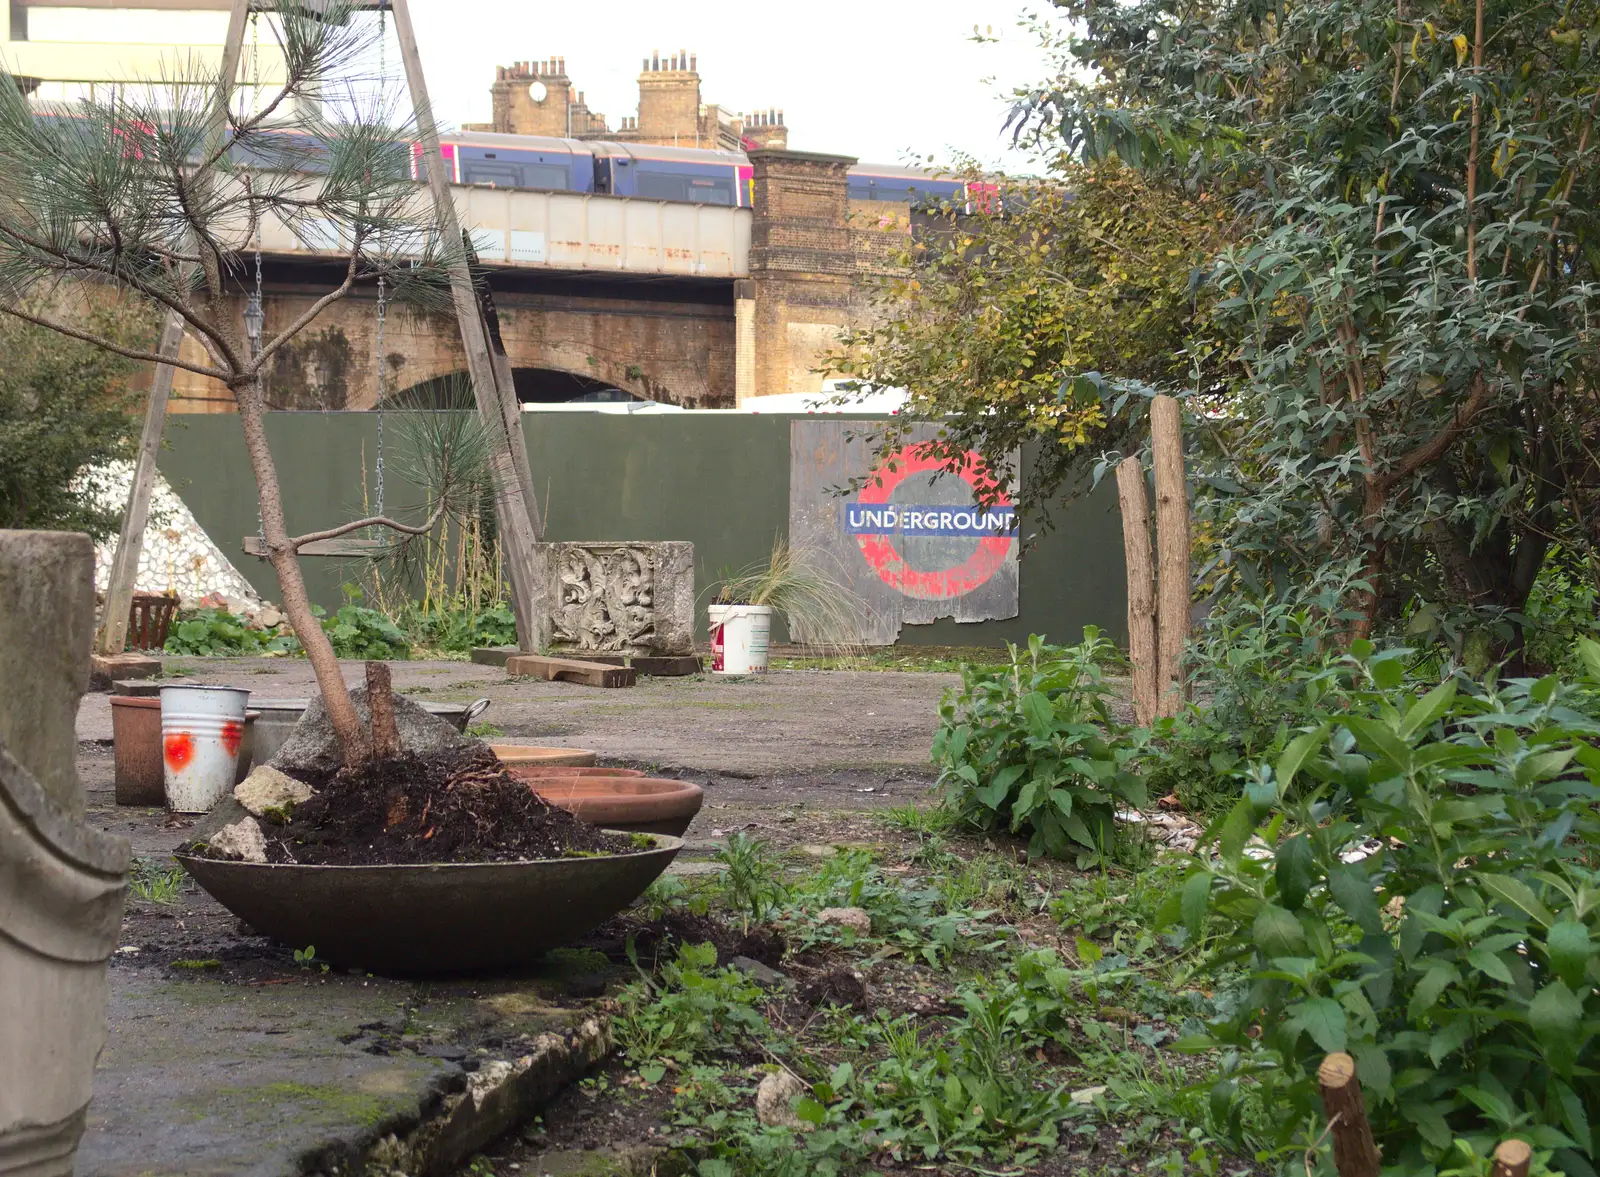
619 598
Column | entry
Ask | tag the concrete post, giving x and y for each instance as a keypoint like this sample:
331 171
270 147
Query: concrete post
61 882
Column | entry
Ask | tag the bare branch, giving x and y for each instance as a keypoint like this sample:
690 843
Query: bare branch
132 353
315 308
300 541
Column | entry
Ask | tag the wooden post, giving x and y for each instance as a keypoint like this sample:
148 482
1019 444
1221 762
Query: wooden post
497 405
1512 1158
380 705
1172 543
113 633
1135 503
1354 1152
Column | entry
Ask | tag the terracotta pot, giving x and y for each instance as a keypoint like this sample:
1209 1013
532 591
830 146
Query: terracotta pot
529 771
635 804
136 749
532 754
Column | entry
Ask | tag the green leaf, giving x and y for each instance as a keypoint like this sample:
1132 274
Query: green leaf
1295 755
1589 652
1517 893
1040 715
1236 831
1426 710
1323 1018
1486 962
652 1073
1372 1067
1426 995
1568 945
1196 901
810 1111
1277 932
1352 890
1555 1014
994 794
1295 870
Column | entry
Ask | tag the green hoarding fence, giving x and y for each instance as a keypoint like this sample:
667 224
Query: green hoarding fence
720 481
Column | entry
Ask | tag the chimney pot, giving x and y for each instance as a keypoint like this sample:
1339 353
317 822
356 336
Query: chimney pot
655 61
694 62
563 65
646 66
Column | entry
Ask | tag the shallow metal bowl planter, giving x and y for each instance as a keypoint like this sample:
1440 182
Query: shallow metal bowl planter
426 918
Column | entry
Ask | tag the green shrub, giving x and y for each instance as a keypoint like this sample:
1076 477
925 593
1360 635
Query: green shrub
460 626
359 632
1032 747
1456 960
214 632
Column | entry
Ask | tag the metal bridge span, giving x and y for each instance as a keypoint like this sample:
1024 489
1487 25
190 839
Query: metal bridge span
573 231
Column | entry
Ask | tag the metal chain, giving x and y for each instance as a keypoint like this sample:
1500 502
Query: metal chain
255 302
383 309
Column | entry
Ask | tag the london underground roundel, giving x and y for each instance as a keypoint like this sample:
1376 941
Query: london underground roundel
942 545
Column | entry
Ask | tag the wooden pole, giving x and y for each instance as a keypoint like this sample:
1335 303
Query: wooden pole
1512 1158
1172 544
497 405
1355 1154
1135 503
113 633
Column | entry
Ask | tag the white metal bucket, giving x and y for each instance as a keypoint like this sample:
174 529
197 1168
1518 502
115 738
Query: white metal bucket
202 729
746 633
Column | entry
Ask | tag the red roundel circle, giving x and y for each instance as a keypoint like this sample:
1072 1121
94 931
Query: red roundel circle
938 584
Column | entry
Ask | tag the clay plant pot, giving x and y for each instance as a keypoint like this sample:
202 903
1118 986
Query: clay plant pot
635 804
532 756
136 749
432 918
529 771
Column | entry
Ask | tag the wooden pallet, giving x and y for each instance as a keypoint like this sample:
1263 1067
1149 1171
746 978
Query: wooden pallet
658 665
589 674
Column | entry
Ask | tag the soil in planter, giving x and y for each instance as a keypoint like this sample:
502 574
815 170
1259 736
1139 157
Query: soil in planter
450 805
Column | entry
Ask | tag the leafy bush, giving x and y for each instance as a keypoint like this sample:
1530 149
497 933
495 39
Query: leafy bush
460 627
1456 959
692 1007
213 632
1032 747
359 632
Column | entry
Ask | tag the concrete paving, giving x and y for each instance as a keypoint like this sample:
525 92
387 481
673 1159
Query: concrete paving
228 1056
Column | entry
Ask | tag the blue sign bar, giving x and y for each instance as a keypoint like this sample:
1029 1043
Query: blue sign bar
905 519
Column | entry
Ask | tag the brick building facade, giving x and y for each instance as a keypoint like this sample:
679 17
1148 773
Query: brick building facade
538 98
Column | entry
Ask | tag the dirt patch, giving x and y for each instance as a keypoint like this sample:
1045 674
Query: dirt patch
457 805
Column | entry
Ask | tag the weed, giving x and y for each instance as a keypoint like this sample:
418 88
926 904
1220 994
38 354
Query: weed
306 958
211 963
927 821
155 882
485 731
753 882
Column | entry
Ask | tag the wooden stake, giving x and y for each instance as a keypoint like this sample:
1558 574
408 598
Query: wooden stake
497 405
1354 1152
113 633
1512 1158
380 703
1135 503
1172 545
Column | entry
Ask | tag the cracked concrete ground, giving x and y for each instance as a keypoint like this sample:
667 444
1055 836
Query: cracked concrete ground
228 1056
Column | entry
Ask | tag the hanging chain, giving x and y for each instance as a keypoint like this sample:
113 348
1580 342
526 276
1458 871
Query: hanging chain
383 314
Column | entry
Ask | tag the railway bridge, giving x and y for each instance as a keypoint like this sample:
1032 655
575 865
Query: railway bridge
694 305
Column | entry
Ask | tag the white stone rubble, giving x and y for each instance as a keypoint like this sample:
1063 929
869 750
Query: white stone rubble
243 840
267 788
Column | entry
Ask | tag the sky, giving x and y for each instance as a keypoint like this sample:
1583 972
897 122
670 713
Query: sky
877 79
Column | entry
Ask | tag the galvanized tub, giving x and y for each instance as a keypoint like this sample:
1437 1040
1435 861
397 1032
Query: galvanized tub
278 717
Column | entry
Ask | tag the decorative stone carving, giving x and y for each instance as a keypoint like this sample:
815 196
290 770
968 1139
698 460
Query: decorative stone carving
61 882
620 598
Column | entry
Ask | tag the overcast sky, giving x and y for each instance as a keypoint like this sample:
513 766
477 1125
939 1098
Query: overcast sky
871 78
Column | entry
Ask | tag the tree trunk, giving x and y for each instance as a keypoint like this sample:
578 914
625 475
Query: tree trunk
1354 1152
1172 544
285 562
1135 503
380 703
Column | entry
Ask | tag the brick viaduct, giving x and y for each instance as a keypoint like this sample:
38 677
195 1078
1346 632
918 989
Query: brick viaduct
697 343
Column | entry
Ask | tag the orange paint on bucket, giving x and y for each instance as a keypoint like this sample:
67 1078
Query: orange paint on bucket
232 737
178 747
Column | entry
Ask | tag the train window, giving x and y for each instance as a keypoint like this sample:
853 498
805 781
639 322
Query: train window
711 192
660 186
547 176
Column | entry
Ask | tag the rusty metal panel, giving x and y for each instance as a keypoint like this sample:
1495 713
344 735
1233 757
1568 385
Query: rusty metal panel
911 542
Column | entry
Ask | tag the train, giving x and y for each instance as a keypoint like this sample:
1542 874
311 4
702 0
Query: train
686 175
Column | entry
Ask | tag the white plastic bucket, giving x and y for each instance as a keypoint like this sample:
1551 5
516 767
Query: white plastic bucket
746 632
202 730
716 615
